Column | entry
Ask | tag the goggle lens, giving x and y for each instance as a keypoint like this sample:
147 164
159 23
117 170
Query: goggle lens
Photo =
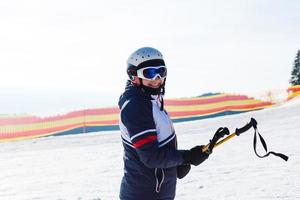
153 72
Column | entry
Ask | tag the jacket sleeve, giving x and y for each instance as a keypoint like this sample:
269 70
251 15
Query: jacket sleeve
137 117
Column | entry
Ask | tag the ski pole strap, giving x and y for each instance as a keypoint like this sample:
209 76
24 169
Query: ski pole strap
252 123
284 157
221 132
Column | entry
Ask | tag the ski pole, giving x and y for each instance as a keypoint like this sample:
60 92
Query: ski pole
238 131
221 132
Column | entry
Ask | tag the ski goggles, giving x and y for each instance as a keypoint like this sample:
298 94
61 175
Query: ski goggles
150 73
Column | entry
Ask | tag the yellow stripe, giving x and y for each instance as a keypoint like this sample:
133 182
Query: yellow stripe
211 106
99 124
293 95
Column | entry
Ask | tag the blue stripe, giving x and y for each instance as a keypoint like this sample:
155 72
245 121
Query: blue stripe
87 130
209 116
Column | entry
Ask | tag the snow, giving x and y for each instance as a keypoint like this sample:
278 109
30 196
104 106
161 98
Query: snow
90 166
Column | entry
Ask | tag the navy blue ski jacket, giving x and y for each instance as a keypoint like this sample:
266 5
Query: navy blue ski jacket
150 147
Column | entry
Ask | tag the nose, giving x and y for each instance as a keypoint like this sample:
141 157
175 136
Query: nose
158 79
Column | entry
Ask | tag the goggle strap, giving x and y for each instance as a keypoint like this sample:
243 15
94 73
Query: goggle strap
149 63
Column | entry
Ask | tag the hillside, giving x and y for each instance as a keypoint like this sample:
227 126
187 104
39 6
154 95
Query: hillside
89 166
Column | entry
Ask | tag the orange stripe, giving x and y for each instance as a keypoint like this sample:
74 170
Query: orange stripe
97 111
295 89
107 122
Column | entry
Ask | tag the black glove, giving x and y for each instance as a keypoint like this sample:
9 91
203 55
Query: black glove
195 156
183 170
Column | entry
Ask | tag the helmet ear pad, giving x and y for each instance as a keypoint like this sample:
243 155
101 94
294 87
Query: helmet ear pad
136 80
131 72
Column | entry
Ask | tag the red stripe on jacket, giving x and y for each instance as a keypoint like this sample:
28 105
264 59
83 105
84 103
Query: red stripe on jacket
144 141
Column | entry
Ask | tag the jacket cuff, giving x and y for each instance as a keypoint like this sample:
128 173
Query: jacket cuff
187 157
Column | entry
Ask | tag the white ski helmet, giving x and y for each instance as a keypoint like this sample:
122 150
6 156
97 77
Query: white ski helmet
143 57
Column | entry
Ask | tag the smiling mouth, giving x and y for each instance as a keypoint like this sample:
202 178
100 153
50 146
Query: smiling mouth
155 86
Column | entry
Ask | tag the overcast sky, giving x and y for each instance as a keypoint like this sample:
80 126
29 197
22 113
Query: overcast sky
77 50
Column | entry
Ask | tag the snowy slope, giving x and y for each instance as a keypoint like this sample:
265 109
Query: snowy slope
90 166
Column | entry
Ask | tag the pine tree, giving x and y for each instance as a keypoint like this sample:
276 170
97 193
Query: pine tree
295 79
